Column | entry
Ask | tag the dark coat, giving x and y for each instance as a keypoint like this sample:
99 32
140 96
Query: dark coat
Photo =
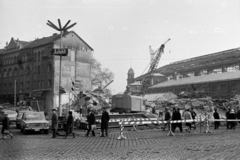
54 121
238 114
216 115
194 114
104 120
70 123
167 116
174 115
232 116
5 123
91 119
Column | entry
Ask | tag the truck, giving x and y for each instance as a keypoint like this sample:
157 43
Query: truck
124 103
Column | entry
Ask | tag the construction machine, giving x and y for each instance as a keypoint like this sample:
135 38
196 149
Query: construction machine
153 66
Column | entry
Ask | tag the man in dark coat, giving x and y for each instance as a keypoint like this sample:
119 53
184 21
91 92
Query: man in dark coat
91 121
5 126
232 116
70 124
194 114
54 123
167 118
238 115
227 117
216 116
176 116
104 122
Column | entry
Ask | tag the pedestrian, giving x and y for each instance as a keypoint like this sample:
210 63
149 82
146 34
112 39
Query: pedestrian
91 122
54 123
216 116
194 114
227 117
70 125
167 118
187 116
176 116
104 122
232 116
81 110
6 127
153 110
238 115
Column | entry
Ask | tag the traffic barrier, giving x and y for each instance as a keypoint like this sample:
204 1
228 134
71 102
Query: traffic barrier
170 133
134 125
121 133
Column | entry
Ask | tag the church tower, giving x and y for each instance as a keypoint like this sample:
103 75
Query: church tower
130 78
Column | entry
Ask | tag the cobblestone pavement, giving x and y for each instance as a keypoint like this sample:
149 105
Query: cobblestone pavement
141 144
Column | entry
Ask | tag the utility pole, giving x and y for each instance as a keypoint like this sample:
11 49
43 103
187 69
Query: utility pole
62 30
15 92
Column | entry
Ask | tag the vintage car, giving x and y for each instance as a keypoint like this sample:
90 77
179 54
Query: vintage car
12 115
34 121
19 117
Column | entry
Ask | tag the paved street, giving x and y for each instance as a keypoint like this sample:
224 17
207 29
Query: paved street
141 144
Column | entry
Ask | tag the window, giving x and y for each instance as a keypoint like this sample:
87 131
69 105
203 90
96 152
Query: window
49 83
49 67
35 84
38 69
9 72
42 85
39 84
21 86
27 86
4 73
38 56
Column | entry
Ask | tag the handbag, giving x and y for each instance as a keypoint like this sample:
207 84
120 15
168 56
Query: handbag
93 127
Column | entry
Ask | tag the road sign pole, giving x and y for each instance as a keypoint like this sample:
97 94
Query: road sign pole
60 53
60 77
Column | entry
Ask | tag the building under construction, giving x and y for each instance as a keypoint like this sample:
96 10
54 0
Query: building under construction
216 74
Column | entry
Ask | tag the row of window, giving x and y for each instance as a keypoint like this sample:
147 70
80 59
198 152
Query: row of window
20 85
21 71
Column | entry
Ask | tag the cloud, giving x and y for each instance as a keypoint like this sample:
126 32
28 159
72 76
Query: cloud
111 28
218 30
193 32
125 28
224 4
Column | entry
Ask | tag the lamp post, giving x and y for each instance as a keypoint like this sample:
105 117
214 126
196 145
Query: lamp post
62 30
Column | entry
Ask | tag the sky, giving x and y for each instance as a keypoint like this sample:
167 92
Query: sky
121 31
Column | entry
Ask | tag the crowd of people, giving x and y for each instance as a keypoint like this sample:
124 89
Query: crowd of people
190 114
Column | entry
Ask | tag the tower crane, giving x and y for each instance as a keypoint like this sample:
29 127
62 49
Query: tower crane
153 66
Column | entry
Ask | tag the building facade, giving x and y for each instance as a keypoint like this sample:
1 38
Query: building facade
217 74
28 72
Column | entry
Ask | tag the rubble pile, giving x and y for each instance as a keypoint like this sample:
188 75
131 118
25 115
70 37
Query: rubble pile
201 106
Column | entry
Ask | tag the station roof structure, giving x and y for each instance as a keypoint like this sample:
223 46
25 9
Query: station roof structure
206 61
200 79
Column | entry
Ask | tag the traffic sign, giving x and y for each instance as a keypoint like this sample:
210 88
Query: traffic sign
59 51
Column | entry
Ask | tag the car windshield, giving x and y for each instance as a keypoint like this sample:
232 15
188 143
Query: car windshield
35 116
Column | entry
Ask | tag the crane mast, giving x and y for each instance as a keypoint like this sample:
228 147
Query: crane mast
152 68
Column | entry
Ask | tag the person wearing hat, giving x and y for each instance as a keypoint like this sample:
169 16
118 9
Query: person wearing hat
54 122
91 121
227 117
70 124
104 122
167 118
232 116
5 126
216 116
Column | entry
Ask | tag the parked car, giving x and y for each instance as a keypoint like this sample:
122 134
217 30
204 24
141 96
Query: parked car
12 115
34 121
19 117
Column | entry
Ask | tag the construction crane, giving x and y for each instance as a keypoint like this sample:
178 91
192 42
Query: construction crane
153 66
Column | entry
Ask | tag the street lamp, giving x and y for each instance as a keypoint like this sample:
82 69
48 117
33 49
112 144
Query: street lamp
61 30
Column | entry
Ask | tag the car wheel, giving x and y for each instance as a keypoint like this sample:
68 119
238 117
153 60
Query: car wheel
46 131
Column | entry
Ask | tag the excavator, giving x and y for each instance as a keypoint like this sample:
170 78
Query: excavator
153 66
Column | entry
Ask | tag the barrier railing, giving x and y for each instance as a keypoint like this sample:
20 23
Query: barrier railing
141 121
